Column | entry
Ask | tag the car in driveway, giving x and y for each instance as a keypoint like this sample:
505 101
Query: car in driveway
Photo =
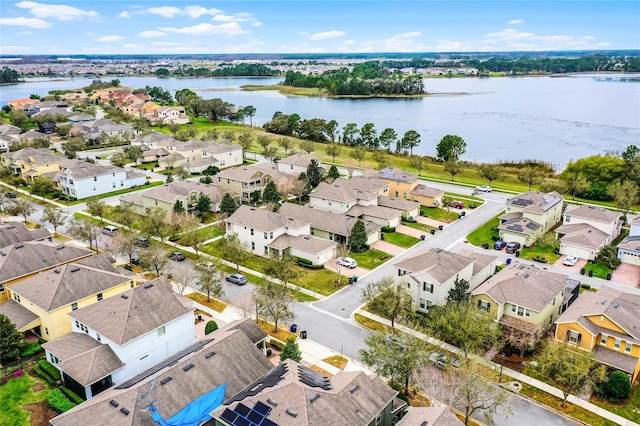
443 361
457 204
570 260
178 256
347 261
142 242
483 188
499 245
513 247
238 279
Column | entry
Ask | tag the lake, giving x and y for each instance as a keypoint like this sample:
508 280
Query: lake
554 119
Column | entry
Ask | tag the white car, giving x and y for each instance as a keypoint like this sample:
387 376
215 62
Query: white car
570 260
347 261
483 188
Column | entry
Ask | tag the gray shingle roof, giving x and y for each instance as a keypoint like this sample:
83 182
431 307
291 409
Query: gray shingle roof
521 225
438 263
334 223
631 243
397 203
426 191
396 174
83 169
307 243
374 211
615 359
15 232
171 191
301 159
599 214
481 260
362 183
263 219
146 308
433 416
219 148
247 173
536 201
582 234
17 314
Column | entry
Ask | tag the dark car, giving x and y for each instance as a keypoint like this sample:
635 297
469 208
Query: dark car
237 279
457 204
142 242
513 247
499 245
11 195
177 255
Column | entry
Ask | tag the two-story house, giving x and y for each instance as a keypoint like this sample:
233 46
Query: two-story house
431 274
265 232
586 229
629 247
244 181
523 299
168 115
30 163
223 155
80 179
166 196
605 322
52 294
103 127
121 336
530 215
405 185
297 163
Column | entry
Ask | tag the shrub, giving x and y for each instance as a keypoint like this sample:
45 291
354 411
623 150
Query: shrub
389 229
74 397
312 266
30 349
278 344
302 261
540 259
59 402
585 286
291 351
210 327
618 386
50 369
44 376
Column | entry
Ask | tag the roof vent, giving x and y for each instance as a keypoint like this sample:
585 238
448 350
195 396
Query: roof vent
604 302
187 367
19 246
209 355
615 305
124 411
57 271
526 275
425 423
272 402
521 266
354 389
114 403
3 253
75 269
165 380
60 247
10 227
148 286
314 398
124 296
292 413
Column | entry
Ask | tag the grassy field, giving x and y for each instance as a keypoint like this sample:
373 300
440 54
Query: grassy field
629 410
484 234
206 232
215 304
371 258
109 194
536 251
599 268
400 240
17 393
437 213
419 226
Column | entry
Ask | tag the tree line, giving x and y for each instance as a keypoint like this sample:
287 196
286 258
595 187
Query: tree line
8 75
239 70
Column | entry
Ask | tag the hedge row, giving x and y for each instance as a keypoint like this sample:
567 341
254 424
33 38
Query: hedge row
74 397
278 344
50 369
43 375
59 402
30 349
389 229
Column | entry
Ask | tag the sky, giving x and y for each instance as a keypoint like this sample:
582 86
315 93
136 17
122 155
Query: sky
305 26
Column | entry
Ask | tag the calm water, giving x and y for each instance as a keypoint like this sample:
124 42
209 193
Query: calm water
555 119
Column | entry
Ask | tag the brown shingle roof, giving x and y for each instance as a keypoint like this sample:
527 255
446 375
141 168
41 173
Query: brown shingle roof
582 234
425 191
246 173
397 203
374 211
301 159
615 359
432 416
362 183
599 214
306 243
521 225
536 201
396 174
263 219
438 263
171 191
17 314
334 223
16 232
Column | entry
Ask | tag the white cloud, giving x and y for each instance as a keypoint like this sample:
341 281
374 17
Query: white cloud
257 24
25 22
198 11
58 11
348 42
109 38
166 11
404 42
124 14
224 18
10 50
452 46
515 21
327 34
228 29
152 33
511 39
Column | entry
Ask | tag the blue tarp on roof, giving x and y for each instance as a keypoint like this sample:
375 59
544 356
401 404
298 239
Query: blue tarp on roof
196 411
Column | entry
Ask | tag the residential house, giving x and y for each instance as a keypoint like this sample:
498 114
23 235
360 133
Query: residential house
265 232
328 225
427 196
193 381
30 163
629 248
198 155
5 143
244 181
225 155
430 274
405 185
17 232
121 336
103 127
80 179
605 322
168 115
166 196
80 118
523 299
291 394
530 215
21 103
151 140
34 108
431 416
297 163
586 229
52 294
26 258
30 136
10 131
407 208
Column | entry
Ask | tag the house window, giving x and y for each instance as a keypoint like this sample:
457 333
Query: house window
98 337
265 236
16 297
425 303
74 306
627 347
161 331
266 251
483 305
121 183
114 184
95 178
99 297
270 234
567 219
251 231
520 311
46 330
616 344
379 419
573 337
603 339
253 246
428 287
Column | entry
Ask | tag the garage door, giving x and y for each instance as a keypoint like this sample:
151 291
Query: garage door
513 238
582 253
631 259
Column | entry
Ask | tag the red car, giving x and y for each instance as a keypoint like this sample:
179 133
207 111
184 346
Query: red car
457 204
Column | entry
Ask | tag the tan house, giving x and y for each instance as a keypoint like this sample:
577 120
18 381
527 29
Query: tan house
605 322
30 163
629 248
586 229
427 196
166 196
405 185
297 163
245 180
530 215
168 115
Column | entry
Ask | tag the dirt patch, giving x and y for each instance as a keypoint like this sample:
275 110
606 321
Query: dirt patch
37 387
33 373
41 413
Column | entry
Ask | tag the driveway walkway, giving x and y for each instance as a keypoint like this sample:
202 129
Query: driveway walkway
627 275
403 229
386 247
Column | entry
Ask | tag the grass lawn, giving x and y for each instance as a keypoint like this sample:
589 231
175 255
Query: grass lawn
17 393
371 258
109 194
419 226
535 250
437 213
371 324
599 268
337 361
400 240
453 195
146 166
484 234
281 334
630 409
206 232
214 304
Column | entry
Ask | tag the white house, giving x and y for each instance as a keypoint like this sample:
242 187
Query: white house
121 336
296 163
586 229
80 179
169 115
629 248
530 215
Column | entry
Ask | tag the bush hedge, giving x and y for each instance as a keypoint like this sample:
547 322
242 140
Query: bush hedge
618 387
43 375
389 229
50 369
210 327
302 261
59 402
278 344
74 397
30 349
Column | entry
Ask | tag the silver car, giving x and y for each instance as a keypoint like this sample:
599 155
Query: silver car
443 361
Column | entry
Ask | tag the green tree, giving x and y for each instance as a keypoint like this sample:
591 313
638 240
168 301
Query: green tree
307 146
386 299
459 292
394 355
154 257
609 255
234 250
315 173
291 351
250 111
568 369
283 267
490 171
333 173
625 194
273 301
418 163
55 216
125 215
210 279
333 150
270 193
387 138
330 129
368 136
358 237
11 340
204 206
245 140
228 205
210 326
210 171
597 169
264 141
97 208
529 175
42 185
21 207
411 139
358 153
134 153
178 207
451 147
270 153
618 386
465 326
453 167
286 144
576 183
156 223
349 131
381 158
84 230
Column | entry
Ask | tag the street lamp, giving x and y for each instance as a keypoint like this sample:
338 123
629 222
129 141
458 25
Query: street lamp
502 355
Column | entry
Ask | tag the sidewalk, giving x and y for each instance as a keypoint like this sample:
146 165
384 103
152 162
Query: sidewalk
510 373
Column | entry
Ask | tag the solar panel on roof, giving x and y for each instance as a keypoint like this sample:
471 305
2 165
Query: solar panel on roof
228 416
267 422
241 421
313 378
270 379
242 409
255 417
262 408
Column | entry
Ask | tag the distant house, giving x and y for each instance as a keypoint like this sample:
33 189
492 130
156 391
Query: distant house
629 248
530 215
605 322
30 163
151 140
168 115
166 196
17 232
198 155
10 131
244 181
121 336
103 127
405 185
430 274
586 229
80 179
297 163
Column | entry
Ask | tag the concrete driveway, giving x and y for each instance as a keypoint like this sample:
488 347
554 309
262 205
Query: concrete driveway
386 247
403 229
344 271
627 275
575 268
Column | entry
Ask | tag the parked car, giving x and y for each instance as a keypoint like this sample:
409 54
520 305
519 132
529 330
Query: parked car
11 195
142 242
570 260
135 260
513 247
347 261
457 204
443 361
483 188
177 255
109 230
238 279
499 245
